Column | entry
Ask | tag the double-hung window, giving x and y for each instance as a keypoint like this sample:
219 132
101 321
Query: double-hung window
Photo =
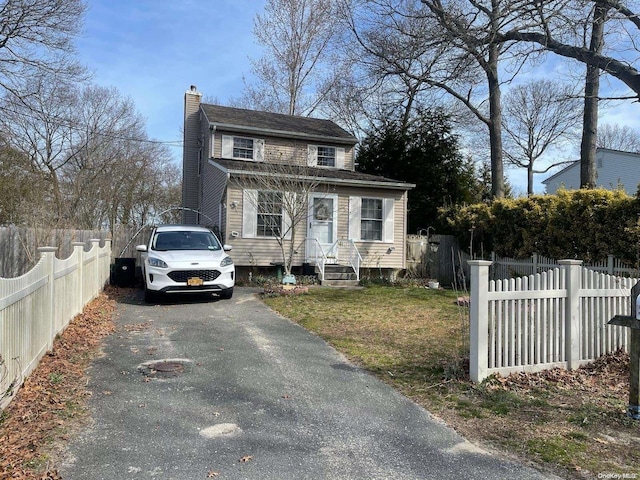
243 147
371 219
264 214
269 214
326 157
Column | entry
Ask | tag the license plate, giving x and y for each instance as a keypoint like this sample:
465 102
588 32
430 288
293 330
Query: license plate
195 282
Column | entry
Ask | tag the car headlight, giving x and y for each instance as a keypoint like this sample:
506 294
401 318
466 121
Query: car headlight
156 262
226 261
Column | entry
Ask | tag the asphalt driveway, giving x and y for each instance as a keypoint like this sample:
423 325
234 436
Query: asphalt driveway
229 389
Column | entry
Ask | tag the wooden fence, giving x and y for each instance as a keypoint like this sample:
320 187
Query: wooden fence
19 245
437 257
557 318
38 305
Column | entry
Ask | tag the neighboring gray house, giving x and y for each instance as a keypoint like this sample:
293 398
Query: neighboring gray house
613 168
350 217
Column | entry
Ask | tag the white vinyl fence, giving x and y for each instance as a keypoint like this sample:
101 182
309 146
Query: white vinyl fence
556 318
38 305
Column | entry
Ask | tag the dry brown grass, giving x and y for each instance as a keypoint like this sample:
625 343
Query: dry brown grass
571 423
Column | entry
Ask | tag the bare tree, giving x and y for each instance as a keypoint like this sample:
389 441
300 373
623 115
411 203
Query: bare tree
538 116
90 147
552 27
619 137
449 45
21 188
296 72
36 36
40 126
464 23
279 194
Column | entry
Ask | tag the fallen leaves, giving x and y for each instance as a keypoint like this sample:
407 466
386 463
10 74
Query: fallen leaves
608 372
45 409
137 327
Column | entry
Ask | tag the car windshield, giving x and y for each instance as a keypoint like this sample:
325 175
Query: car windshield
185 240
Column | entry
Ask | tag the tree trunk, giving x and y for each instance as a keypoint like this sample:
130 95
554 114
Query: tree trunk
591 93
495 126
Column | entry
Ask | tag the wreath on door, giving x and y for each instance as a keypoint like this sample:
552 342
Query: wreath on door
322 211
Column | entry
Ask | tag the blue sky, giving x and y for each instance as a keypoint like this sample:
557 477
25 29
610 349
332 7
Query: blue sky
153 50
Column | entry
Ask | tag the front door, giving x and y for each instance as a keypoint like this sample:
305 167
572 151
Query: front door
323 214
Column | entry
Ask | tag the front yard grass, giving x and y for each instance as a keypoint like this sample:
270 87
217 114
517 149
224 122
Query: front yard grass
570 423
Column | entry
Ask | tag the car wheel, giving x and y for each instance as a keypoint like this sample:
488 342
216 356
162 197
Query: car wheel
150 296
227 293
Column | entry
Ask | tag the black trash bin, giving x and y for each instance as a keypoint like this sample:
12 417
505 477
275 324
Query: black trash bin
125 272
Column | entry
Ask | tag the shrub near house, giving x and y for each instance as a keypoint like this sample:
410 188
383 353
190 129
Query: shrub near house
585 224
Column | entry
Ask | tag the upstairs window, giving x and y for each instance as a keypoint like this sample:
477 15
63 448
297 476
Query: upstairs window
243 147
326 156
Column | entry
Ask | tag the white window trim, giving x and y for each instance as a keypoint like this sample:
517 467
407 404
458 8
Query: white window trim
250 216
227 148
312 156
355 219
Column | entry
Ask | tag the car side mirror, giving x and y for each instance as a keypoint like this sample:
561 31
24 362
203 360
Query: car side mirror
141 248
227 248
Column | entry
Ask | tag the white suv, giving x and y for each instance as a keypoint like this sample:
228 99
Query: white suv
186 259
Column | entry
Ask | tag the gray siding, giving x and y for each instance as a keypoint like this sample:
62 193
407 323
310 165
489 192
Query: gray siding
190 155
613 168
618 168
214 184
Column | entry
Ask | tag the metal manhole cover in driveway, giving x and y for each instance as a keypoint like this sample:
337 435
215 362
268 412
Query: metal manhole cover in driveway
166 368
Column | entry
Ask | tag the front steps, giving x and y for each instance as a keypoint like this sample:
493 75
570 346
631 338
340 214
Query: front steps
339 276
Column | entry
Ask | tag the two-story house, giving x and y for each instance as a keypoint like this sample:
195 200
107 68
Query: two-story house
614 169
242 168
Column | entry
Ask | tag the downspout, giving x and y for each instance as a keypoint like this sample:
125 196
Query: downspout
404 243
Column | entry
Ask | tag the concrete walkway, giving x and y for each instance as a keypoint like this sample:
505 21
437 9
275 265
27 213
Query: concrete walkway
242 393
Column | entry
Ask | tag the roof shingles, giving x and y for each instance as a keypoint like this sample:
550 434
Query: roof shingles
327 174
276 122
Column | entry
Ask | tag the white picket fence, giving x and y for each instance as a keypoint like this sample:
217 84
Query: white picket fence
38 305
556 318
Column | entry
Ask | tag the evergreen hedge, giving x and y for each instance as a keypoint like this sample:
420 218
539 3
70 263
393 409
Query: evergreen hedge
583 224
